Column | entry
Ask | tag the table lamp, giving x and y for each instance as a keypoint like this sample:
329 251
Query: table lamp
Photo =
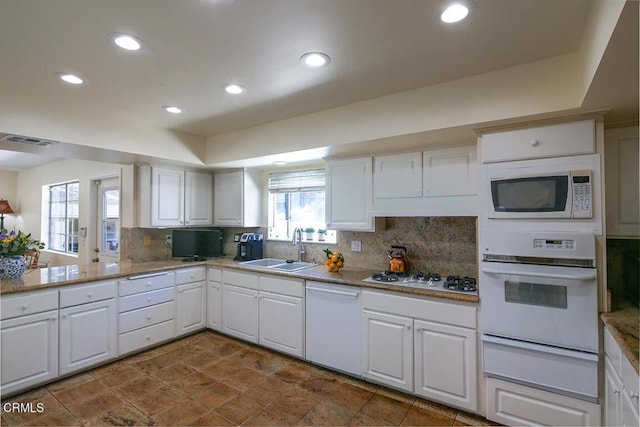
5 208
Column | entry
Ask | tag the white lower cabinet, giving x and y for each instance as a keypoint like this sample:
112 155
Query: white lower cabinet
282 317
517 405
87 335
29 350
147 311
388 349
423 346
191 300
214 299
240 312
88 325
264 309
620 386
438 346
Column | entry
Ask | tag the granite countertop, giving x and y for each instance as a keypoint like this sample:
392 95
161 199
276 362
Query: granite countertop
624 323
75 274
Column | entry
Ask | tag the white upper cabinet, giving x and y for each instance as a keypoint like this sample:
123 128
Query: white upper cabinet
198 204
237 199
564 139
167 197
450 172
397 176
348 194
622 182
171 197
440 182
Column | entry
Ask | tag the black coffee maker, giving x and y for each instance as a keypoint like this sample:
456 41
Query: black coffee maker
249 246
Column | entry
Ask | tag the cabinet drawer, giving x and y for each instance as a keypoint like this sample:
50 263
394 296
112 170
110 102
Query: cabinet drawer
144 317
246 280
146 282
214 274
87 293
146 299
28 303
189 275
420 308
145 337
278 285
546 141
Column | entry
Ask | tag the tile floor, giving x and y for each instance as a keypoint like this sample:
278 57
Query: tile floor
208 379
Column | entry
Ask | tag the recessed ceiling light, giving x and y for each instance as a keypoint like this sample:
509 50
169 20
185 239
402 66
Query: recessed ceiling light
234 88
125 41
455 12
315 59
172 109
70 78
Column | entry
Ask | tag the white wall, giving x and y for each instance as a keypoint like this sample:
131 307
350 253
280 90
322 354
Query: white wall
29 199
8 191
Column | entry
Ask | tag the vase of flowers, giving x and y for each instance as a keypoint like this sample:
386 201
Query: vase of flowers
13 247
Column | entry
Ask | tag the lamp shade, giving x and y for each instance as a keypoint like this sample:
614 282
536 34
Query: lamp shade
5 208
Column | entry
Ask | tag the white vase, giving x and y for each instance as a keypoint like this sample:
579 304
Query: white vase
12 267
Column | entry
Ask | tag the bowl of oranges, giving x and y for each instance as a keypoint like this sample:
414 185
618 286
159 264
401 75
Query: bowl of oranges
334 261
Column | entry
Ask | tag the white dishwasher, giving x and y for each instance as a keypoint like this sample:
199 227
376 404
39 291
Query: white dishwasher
334 326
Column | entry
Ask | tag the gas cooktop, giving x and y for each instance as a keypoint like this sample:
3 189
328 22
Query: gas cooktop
425 281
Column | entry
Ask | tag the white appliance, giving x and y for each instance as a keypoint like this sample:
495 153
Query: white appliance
334 326
540 311
565 189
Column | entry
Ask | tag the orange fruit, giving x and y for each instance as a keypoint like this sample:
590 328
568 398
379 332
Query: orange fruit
340 263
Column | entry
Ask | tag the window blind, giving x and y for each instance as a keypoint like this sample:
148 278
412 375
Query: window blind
298 181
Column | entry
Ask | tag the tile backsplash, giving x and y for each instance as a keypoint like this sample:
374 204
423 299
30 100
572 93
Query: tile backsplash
445 245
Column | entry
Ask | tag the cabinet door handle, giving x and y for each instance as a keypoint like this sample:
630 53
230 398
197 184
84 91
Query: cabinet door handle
148 337
408 326
64 316
535 143
148 317
148 299
25 306
616 391
90 294
634 395
53 319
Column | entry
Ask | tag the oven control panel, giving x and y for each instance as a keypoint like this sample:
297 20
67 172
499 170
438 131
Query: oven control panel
554 244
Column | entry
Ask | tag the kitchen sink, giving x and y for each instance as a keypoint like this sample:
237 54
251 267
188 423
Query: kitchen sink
278 264
293 266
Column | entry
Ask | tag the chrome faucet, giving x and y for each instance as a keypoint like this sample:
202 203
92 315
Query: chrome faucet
297 239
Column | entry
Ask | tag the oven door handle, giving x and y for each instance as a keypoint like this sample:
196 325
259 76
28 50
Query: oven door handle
591 275
577 354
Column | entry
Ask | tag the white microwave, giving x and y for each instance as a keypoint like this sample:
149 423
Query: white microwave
539 189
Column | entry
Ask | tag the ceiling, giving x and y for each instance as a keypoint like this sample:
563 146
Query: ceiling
192 47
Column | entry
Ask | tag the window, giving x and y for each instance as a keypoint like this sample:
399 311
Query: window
296 199
63 217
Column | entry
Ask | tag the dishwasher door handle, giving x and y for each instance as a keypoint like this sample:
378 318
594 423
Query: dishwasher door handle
331 291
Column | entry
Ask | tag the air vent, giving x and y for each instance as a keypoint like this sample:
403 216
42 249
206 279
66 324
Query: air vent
28 140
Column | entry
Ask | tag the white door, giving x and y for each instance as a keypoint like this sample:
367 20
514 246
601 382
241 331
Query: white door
198 198
29 350
88 335
612 395
282 323
228 198
214 305
240 312
388 349
397 176
349 188
445 364
167 197
108 220
191 307
450 172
